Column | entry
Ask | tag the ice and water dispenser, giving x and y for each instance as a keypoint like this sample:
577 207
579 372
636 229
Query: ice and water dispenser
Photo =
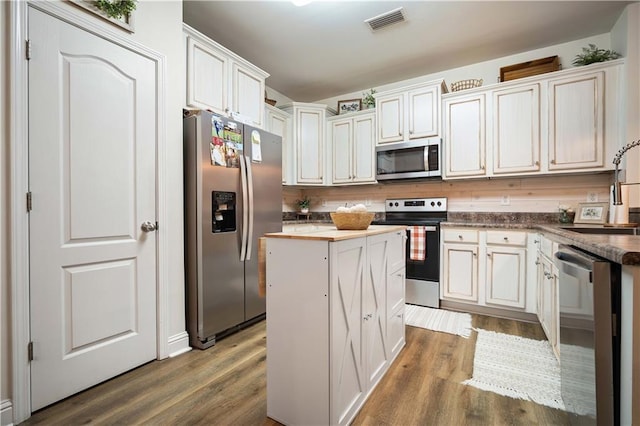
223 206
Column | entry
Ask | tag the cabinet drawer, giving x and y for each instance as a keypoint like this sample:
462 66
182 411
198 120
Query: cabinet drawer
509 238
395 332
460 235
548 247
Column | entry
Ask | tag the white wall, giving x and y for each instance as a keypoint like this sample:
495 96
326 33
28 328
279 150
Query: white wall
625 38
489 71
5 323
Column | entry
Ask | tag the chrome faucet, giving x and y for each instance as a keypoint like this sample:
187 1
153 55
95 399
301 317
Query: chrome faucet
617 185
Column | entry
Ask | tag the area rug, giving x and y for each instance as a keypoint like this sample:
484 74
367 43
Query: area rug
438 320
516 367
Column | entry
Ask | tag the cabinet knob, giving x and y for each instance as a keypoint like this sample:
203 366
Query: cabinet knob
506 238
410 132
475 254
537 163
399 315
489 255
482 167
460 237
553 161
400 134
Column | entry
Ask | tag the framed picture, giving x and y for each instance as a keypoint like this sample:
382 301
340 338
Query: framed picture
592 213
350 105
126 22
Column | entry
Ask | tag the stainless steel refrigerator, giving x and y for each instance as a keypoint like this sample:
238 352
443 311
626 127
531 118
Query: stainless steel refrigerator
233 196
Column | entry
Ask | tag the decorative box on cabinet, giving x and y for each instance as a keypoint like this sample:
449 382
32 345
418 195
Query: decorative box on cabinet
409 113
279 123
221 81
352 147
330 336
308 143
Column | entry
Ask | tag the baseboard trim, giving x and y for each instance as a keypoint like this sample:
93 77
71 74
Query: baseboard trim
6 412
492 312
178 344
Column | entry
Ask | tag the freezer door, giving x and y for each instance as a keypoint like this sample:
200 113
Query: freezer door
266 177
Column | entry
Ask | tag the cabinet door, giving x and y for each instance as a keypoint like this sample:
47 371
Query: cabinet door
423 111
576 114
465 136
396 332
516 127
374 297
248 94
460 278
548 301
207 79
341 142
363 157
309 146
390 113
279 123
348 277
506 278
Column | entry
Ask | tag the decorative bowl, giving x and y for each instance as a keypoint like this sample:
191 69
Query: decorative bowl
352 221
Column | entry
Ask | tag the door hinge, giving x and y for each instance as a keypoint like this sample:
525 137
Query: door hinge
30 351
28 52
29 202
156 226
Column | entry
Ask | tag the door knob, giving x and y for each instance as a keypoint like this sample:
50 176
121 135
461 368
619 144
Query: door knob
148 226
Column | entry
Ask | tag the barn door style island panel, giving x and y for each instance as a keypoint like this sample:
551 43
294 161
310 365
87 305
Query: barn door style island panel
335 310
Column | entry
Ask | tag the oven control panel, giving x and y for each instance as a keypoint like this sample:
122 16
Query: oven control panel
416 205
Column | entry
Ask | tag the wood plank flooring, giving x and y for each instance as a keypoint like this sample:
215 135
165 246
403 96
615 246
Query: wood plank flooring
226 385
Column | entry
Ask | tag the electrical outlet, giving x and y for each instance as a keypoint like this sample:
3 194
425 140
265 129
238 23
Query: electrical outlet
367 202
324 203
592 197
505 200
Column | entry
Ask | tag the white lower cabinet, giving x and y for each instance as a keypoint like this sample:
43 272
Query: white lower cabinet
335 323
486 268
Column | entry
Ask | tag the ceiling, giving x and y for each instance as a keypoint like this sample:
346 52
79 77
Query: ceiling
325 49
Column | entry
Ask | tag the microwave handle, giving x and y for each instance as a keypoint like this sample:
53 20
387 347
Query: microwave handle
426 158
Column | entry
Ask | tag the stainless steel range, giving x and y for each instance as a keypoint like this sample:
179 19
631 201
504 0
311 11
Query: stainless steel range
422 215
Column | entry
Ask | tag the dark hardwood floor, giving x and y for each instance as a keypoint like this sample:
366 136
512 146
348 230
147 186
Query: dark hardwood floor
226 385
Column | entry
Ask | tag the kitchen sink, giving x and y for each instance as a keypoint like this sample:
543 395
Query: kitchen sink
602 230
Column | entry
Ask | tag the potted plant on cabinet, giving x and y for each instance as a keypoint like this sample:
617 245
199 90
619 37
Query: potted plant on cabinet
303 204
368 100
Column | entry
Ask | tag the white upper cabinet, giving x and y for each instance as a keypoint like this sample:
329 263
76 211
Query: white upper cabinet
561 122
279 122
352 148
516 129
576 120
308 144
465 136
221 81
409 113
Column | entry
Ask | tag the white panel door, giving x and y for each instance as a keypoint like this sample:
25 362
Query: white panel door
248 95
364 154
207 79
505 279
423 112
390 112
310 146
460 276
348 276
516 127
92 159
341 139
465 136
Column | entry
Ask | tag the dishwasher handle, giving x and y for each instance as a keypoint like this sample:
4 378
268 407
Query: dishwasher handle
575 265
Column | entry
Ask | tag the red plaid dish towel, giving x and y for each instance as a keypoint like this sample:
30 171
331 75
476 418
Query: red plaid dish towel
417 243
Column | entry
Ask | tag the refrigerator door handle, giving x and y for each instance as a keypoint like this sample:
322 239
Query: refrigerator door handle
250 186
245 208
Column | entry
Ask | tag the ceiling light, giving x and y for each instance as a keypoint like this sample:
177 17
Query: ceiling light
301 2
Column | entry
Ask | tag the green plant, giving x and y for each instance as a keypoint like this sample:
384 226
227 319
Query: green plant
116 8
592 54
304 203
368 98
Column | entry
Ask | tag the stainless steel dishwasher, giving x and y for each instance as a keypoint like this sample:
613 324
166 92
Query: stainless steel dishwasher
589 349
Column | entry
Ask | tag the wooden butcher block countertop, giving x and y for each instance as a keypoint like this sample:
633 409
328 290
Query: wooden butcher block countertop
330 232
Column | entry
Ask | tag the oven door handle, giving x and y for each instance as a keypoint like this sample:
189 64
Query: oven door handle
427 228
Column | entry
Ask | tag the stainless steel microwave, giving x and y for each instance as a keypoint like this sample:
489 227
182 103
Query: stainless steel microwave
409 160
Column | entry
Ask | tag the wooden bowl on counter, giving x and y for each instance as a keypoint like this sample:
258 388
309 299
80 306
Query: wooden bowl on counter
354 221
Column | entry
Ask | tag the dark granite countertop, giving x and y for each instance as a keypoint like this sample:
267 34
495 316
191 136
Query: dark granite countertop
619 248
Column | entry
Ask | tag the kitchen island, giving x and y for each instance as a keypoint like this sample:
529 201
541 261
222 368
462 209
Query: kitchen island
335 310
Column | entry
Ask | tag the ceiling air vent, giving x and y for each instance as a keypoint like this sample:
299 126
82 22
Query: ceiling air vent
388 18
